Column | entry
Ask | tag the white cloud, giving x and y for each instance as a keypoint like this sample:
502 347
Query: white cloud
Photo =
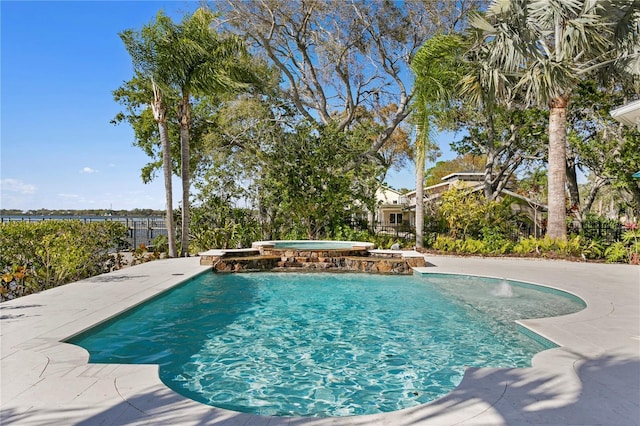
88 170
15 185
69 196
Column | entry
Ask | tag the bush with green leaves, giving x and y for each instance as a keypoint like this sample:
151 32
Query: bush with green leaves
631 239
495 240
216 224
40 255
616 252
445 243
469 214
346 233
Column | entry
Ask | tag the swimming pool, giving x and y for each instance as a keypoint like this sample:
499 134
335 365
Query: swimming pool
313 245
326 344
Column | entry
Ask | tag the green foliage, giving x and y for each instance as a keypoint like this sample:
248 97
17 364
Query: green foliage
525 246
469 162
40 255
616 252
575 247
495 240
142 254
472 246
594 248
313 176
600 144
570 247
461 212
468 214
631 238
445 243
161 243
346 233
383 241
216 224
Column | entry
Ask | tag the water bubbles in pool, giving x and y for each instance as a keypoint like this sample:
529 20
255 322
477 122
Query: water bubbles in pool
503 289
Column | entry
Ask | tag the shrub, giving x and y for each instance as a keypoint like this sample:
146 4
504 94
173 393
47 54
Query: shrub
473 246
161 243
216 224
445 243
616 252
40 255
593 249
463 212
469 214
346 233
631 238
526 246
495 241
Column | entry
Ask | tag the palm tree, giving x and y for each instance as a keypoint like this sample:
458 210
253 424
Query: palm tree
148 57
202 63
436 67
540 49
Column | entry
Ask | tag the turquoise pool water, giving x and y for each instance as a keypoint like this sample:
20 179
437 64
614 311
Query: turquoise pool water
325 344
313 245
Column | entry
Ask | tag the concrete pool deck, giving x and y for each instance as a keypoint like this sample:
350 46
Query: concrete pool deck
593 378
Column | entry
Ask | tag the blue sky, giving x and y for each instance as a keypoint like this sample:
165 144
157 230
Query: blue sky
60 62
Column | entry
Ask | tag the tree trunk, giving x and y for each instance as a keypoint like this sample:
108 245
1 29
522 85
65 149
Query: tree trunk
185 119
572 186
593 193
160 115
420 160
166 167
556 225
489 193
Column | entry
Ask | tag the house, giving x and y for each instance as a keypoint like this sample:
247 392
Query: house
629 114
390 207
399 210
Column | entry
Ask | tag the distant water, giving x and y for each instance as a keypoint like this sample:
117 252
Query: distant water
87 218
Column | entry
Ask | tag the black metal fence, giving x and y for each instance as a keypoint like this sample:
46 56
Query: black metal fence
608 232
144 231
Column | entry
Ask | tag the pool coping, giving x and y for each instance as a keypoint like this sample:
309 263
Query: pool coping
593 378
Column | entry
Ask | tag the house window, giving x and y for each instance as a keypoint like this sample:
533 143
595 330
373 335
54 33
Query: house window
395 218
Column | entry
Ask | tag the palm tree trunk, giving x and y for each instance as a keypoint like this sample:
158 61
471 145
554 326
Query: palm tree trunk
166 168
556 222
185 118
160 115
420 160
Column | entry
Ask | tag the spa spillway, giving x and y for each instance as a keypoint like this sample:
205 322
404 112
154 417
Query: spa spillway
312 255
313 248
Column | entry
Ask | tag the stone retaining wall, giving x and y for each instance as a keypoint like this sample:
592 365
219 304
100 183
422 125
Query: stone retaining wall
347 260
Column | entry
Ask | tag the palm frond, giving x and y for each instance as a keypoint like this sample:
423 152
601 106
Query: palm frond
549 44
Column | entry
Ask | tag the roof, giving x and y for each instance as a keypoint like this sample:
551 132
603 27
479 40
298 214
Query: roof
628 114
480 187
464 176
386 188
636 175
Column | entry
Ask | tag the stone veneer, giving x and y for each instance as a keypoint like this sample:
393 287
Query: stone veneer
357 259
